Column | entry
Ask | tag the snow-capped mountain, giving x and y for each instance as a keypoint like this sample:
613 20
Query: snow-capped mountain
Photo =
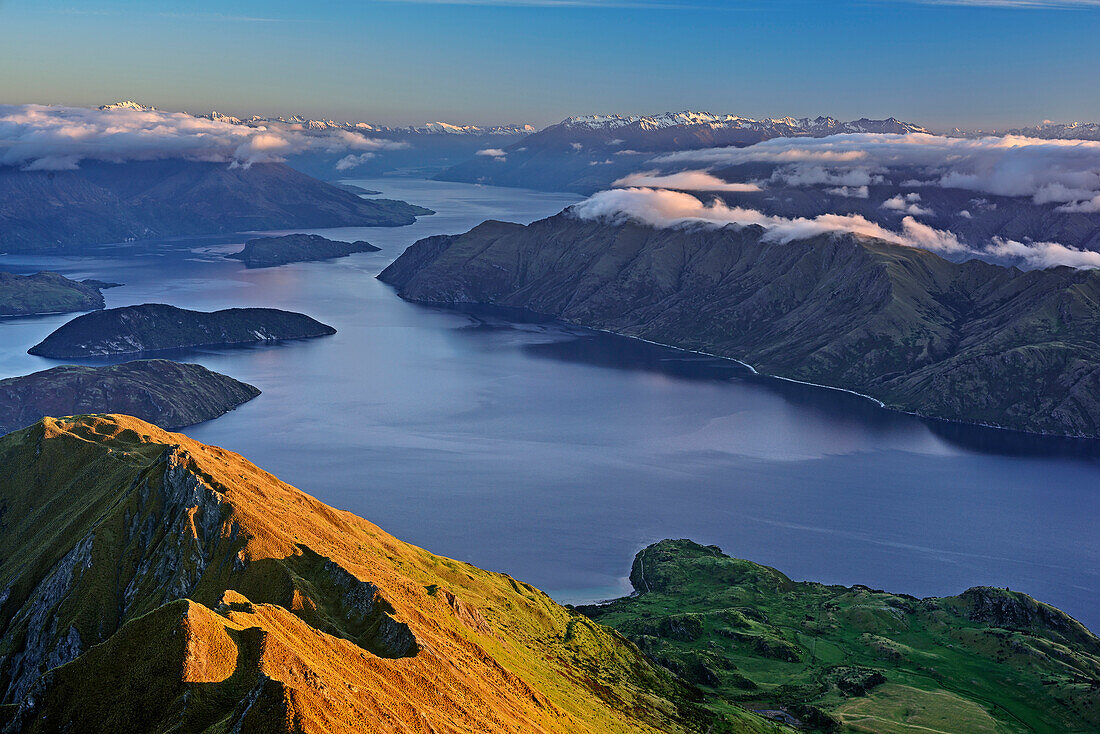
128 105
1061 131
585 154
428 128
785 126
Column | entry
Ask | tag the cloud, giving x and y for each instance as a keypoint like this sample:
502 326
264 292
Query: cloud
907 204
1048 171
1043 254
688 180
497 154
819 175
665 209
853 192
1090 206
353 161
38 137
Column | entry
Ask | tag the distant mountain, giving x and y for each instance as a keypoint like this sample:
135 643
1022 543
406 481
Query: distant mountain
157 327
151 583
970 342
115 202
169 394
1046 131
784 127
585 154
267 252
44 292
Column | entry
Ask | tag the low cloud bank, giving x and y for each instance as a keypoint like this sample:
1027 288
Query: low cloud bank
687 180
664 209
497 154
39 137
1063 172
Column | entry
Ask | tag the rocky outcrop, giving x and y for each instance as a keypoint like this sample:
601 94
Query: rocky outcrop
267 252
169 394
156 327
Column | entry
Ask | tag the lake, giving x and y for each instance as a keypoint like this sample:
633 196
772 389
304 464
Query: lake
554 453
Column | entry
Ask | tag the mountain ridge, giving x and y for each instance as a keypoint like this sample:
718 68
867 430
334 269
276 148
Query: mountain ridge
214 597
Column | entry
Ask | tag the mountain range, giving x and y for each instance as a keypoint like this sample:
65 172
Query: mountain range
585 154
117 202
971 341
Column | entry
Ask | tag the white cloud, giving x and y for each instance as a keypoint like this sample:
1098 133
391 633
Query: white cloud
907 204
1048 171
497 154
38 137
688 180
352 161
577 146
1089 206
853 192
1043 254
664 209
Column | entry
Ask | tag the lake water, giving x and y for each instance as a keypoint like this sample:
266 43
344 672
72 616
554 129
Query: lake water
554 453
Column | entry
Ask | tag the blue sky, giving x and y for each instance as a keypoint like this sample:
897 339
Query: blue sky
968 62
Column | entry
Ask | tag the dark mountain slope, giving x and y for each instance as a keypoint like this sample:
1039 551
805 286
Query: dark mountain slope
970 342
109 202
170 394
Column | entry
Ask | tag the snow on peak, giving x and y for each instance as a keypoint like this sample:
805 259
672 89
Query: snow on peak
788 125
128 105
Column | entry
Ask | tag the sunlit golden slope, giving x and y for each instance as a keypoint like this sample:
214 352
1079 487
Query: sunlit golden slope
151 583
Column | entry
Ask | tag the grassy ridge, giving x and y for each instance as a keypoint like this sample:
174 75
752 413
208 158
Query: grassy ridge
986 660
152 583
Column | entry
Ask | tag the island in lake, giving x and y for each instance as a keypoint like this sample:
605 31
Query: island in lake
157 327
42 293
971 341
266 252
170 394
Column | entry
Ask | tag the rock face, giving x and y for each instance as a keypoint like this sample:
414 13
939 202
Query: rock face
44 292
170 394
156 327
835 655
266 252
188 590
966 341
115 202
